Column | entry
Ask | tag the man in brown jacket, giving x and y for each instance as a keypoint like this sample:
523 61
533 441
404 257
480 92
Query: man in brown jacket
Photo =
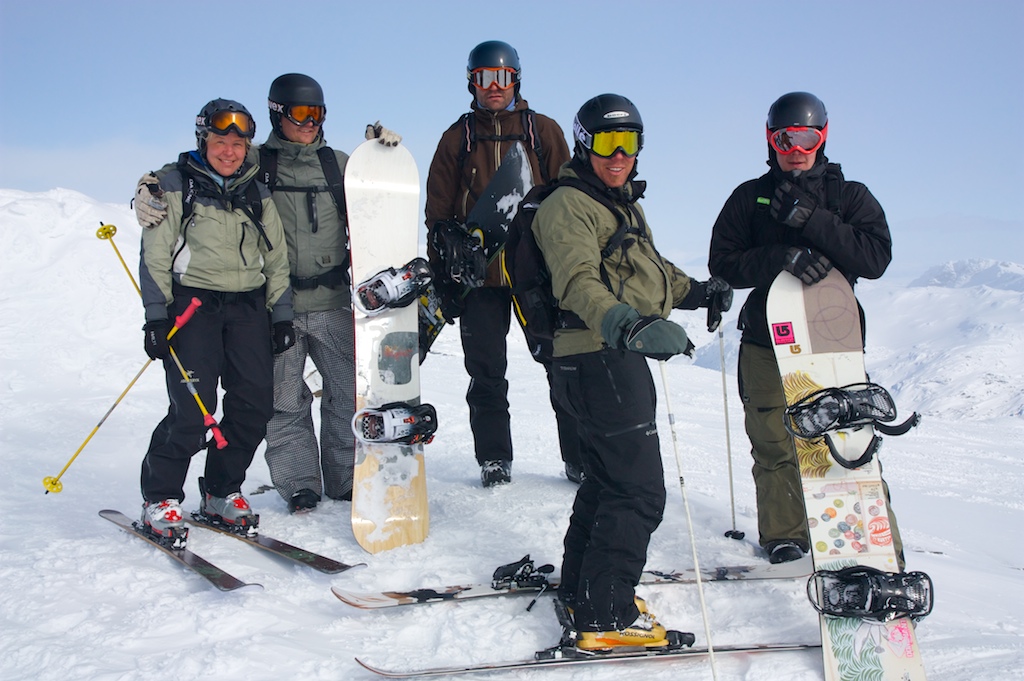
466 159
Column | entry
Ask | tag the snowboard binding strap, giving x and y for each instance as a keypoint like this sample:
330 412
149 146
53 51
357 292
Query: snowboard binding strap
867 593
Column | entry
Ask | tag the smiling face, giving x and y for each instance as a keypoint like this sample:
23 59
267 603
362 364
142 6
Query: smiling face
615 170
225 153
302 134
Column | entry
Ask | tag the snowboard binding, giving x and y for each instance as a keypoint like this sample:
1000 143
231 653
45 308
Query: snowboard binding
392 288
868 593
396 423
461 251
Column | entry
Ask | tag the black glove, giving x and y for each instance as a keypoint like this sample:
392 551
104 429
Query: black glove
806 264
155 339
284 336
449 295
717 299
791 205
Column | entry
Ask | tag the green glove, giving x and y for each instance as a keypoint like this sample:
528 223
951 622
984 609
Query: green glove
651 336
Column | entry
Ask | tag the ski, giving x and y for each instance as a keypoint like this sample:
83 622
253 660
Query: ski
279 548
202 567
527 579
560 657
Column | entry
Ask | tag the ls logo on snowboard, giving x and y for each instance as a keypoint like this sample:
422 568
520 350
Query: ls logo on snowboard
782 334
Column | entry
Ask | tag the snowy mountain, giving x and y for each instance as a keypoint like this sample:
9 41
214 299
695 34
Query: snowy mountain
87 601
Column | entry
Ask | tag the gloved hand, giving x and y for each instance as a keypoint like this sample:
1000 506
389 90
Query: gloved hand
791 205
284 336
449 295
806 264
388 138
717 299
155 339
651 336
150 208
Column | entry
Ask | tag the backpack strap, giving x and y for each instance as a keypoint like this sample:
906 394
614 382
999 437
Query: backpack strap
834 181
268 167
529 135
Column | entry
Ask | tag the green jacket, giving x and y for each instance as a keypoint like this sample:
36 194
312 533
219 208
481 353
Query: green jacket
217 249
312 250
571 230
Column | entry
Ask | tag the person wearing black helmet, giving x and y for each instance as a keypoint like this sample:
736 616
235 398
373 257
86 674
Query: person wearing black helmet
221 242
466 159
605 269
804 217
305 177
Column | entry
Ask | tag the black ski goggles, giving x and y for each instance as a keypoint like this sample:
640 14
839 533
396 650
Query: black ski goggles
223 122
795 138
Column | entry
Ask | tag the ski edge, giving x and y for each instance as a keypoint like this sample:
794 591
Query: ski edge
557 662
298 555
218 577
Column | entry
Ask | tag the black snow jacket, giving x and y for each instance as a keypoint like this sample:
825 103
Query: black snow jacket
748 246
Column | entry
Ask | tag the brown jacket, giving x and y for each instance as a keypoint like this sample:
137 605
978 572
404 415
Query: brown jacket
452 190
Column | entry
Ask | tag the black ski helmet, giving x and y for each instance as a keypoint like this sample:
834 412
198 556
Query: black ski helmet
604 113
797 109
290 89
215 106
493 54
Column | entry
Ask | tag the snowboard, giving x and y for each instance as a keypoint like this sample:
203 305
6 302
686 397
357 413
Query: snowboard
817 337
389 493
489 221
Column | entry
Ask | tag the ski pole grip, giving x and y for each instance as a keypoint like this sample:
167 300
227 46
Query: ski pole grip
182 319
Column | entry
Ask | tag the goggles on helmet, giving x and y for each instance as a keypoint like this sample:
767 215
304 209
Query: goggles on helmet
795 138
606 144
503 77
223 122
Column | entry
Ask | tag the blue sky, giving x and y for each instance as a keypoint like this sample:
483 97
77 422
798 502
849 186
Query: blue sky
926 99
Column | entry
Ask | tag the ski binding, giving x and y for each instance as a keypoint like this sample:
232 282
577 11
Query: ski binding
868 593
391 288
396 423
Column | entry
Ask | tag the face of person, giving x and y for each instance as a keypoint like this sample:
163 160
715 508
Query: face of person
302 134
494 98
225 153
796 161
615 170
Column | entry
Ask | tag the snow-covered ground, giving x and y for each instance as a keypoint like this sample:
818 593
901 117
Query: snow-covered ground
84 600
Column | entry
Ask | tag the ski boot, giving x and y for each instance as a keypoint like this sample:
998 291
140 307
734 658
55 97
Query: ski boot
397 423
392 287
166 522
867 593
497 472
645 632
231 512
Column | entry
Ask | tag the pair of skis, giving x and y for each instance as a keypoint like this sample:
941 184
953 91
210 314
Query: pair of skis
215 575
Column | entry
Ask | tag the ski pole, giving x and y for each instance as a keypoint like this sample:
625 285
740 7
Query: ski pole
689 521
107 232
53 484
208 419
733 533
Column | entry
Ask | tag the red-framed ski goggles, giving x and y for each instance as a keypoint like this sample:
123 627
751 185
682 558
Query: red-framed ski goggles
503 77
606 144
223 122
796 138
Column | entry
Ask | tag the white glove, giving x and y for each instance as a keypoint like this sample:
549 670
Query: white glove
388 138
150 208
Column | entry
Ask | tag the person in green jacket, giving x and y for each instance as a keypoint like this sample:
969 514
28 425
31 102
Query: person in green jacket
220 242
623 290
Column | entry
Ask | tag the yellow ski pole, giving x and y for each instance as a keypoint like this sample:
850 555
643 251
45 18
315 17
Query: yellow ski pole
53 484
106 233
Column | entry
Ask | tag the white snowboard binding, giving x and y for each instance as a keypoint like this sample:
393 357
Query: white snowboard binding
396 423
392 287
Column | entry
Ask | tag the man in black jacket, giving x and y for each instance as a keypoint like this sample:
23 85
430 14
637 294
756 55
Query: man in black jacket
801 216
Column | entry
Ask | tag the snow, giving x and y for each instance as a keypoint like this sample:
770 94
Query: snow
84 600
